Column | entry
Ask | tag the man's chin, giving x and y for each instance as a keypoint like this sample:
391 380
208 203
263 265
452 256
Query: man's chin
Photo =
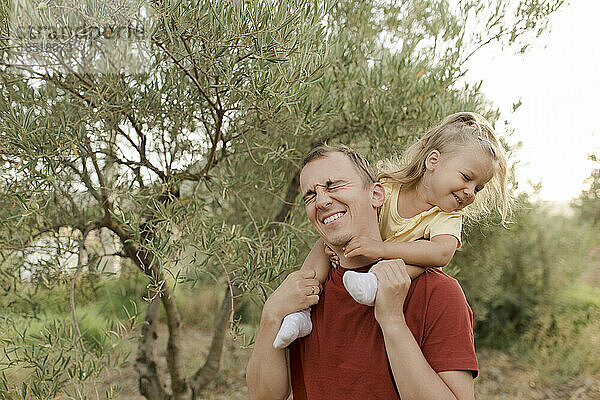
338 241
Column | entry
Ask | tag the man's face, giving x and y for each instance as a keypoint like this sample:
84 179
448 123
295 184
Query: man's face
337 204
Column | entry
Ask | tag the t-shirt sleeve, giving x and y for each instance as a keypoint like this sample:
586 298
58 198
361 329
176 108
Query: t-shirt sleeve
445 224
448 343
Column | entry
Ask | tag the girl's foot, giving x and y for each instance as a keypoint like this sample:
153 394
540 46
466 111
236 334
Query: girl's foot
362 286
294 325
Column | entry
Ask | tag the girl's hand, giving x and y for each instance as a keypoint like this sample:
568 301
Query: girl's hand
366 247
333 258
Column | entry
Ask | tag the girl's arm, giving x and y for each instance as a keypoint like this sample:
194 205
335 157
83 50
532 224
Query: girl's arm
436 252
317 261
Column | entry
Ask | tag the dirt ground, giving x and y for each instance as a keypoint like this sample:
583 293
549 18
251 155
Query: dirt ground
501 377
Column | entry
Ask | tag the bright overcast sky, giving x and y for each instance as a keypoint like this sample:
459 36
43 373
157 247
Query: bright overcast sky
558 81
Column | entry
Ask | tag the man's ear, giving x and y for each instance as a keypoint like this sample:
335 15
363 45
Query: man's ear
377 195
432 160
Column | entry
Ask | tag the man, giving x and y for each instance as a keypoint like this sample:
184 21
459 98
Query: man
416 343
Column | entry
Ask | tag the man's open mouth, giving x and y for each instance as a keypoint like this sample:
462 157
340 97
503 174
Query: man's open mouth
332 218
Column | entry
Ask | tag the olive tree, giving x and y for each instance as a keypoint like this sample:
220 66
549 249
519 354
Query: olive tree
177 127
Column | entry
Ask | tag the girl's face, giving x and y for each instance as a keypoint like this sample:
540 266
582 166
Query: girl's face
453 179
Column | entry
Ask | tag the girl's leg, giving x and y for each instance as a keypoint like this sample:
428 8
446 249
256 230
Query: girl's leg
362 286
298 324
294 325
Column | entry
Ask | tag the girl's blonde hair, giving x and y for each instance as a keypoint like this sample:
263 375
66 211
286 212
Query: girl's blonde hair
460 131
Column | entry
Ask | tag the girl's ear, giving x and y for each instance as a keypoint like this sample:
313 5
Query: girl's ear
432 160
377 195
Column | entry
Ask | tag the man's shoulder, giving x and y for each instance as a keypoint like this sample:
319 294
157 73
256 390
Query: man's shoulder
438 277
434 295
436 282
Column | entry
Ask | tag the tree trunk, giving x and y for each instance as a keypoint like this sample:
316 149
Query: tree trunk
145 364
209 370
290 200
149 380
179 385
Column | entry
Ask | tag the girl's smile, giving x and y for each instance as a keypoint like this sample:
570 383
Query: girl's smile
453 179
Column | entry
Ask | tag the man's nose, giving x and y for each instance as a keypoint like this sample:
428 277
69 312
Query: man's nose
323 199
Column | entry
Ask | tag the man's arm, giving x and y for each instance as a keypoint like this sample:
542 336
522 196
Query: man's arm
414 377
267 371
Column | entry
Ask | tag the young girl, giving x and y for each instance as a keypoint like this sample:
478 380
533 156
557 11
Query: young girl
456 164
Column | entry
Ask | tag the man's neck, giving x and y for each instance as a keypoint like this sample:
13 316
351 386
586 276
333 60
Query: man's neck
351 262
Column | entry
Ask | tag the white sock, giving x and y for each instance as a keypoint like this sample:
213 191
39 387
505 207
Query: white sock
294 325
362 286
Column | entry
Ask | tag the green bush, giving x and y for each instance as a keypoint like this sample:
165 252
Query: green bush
564 338
523 285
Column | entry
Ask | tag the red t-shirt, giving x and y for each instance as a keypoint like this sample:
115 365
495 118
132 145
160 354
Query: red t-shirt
344 357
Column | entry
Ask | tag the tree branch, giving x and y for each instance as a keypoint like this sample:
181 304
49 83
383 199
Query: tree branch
175 350
86 179
214 142
290 200
187 72
105 201
128 138
187 48
142 150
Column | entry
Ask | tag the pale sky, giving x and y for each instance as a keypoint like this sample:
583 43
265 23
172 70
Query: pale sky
558 81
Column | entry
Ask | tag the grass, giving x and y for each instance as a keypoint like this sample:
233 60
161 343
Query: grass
564 340
582 295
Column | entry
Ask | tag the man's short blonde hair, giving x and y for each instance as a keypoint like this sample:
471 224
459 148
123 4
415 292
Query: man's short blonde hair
360 163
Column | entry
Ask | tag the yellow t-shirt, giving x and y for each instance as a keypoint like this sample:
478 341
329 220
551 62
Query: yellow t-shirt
430 223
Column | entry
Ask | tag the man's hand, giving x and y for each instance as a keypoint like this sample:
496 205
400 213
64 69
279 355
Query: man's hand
414 377
298 291
393 283
366 247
